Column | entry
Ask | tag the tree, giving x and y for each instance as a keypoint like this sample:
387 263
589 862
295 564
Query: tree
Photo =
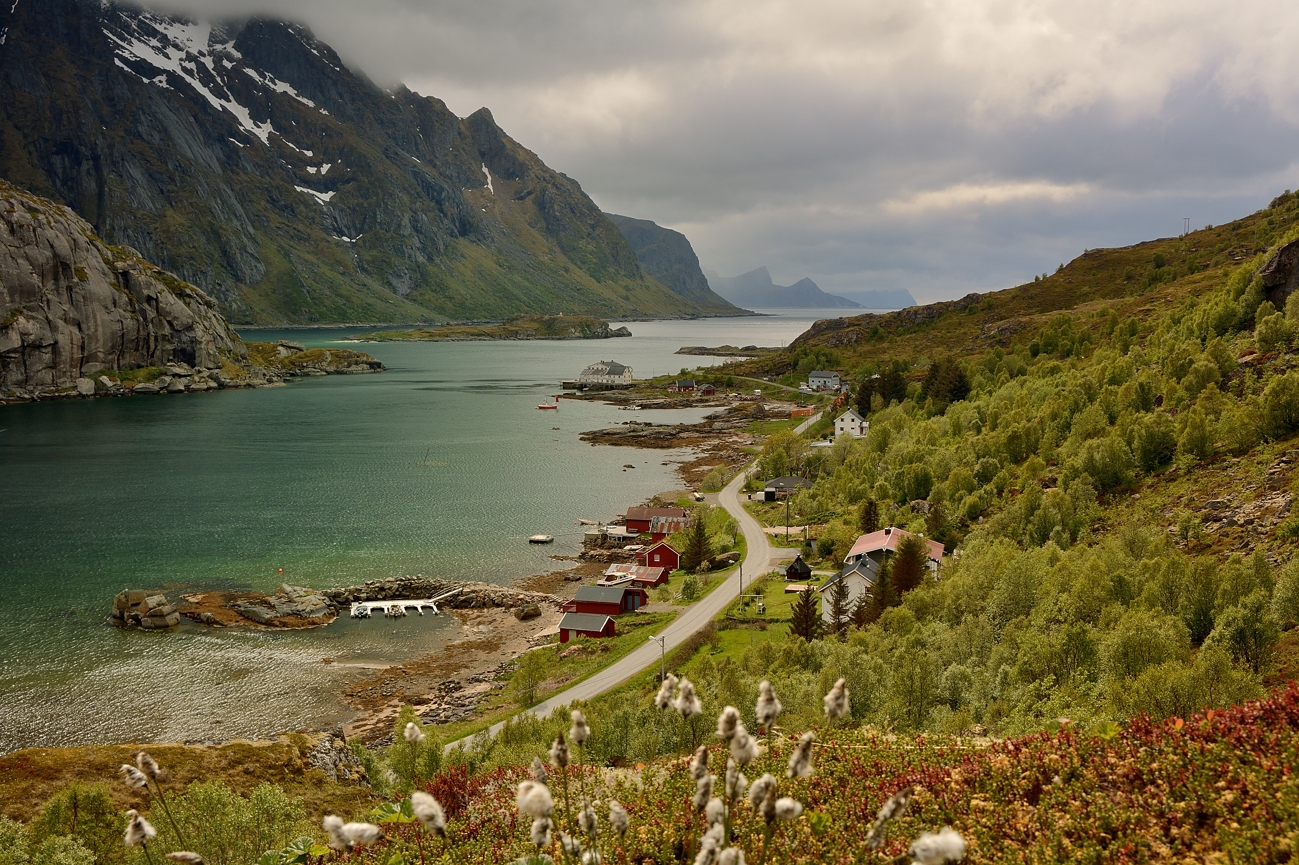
945 383
909 563
533 669
696 550
839 609
892 385
1248 632
865 391
936 521
883 592
869 521
861 611
805 622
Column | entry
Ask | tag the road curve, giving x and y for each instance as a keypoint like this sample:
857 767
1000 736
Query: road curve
757 561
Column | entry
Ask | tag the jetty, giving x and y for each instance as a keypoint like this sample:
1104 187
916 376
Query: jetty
395 609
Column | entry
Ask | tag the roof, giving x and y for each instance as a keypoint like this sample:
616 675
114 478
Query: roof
866 569
850 413
668 525
603 594
887 539
799 566
640 513
584 621
822 373
648 550
606 367
787 483
685 382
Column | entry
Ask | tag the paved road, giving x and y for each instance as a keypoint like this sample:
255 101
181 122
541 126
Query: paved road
757 561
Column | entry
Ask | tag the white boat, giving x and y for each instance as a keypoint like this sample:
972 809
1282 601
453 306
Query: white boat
541 539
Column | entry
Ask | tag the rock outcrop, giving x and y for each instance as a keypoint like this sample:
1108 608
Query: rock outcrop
71 306
153 612
1280 274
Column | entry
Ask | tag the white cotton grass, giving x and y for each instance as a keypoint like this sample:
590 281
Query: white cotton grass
139 831
714 811
731 856
148 765
703 792
735 781
836 701
744 748
534 799
618 818
936 848
538 771
413 733
788 809
361 834
800 760
559 753
571 846
758 792
699 763
541 831
710 845
768 708
727 722
591 857
587 821
333 826
429 812
687 702
135 779
663 699
186 857
579 731
892 809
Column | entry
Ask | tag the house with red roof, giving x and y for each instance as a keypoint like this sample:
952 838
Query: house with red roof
638 519
877 545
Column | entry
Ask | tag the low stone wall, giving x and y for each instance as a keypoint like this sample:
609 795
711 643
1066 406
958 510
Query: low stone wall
471 597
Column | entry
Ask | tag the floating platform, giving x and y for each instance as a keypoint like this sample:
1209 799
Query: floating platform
541 539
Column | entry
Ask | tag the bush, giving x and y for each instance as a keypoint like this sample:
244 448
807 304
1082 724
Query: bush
226 828
1196 440
87 813
1107 461
1248 632
1154 441
1279 405
714 480
1141 639
1285 597
17 847
689 588
1272 332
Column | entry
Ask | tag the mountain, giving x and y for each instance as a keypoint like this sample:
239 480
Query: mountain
74 306
248 159
668 256
881 298
756 290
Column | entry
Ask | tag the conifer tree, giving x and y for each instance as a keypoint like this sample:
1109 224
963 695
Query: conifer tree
697 551
840 612
883 594
804 620
908 569
861 611
869 521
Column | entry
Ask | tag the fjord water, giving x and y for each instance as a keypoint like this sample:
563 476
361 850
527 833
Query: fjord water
442 465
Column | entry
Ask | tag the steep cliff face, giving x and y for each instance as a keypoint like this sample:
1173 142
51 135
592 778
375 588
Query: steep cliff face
668 256
73 306
249 160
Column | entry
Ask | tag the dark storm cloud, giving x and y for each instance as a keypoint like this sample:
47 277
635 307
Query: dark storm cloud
942 147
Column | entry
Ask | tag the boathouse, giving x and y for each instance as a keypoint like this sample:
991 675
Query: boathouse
622 574
638 519
607 600
585 625
661 555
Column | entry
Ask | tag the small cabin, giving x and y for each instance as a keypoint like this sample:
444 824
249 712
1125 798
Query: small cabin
684 385
798 570
707 390
621 574
783 488
661 555
585 625
607 600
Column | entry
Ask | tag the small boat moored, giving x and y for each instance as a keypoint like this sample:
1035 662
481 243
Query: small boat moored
541 539
546 405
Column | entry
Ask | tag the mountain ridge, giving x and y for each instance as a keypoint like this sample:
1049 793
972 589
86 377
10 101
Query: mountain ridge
755 288
248 159
668 256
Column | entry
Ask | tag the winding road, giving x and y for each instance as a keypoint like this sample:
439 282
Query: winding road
757 561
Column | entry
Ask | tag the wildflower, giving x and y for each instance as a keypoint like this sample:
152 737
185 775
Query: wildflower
699 763
414 734
572 846
709 845
714 811
579 730
731 856
538 771
703 792
744 748
534 799
758 792
735 781
767 807
587 821
591 857
800 762
541 831
788 809
185 856
361 834
836 702
429 811
769 707
726 723
891 810
135 779
663 698
618 818
687 703
333 827
932 848
147 765
559 752
138 830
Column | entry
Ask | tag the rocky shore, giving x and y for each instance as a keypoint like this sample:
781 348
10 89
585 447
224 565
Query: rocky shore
732 420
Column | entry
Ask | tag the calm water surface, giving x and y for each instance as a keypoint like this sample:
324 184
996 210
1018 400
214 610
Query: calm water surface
441 465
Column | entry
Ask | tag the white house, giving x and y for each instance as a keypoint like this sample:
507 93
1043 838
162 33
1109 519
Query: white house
606 372
823 379
858 577
875 546
851 423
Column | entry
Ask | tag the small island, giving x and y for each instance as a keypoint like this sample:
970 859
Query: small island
518 327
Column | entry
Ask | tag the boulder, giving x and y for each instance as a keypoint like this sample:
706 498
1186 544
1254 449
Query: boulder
145 387
86 387
527 611
295 346
177 385
108 383
170 620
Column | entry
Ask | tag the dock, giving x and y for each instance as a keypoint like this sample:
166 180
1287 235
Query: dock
398 608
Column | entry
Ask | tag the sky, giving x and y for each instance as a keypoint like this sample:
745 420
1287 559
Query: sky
942 146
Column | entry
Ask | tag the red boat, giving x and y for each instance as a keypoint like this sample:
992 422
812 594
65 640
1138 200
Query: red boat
549 405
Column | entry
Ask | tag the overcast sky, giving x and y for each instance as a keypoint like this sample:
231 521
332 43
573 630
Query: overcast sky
944 146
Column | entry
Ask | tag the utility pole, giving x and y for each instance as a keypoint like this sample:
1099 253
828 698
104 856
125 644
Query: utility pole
663 655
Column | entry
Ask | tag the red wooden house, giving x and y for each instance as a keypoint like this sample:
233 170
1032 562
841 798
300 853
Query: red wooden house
638 519
707 390
585 625
607 600
660 556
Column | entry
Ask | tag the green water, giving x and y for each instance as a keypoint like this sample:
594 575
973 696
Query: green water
442 465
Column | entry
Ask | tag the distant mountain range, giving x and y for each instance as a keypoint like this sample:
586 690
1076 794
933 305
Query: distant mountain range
248 159
755 289
668 256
